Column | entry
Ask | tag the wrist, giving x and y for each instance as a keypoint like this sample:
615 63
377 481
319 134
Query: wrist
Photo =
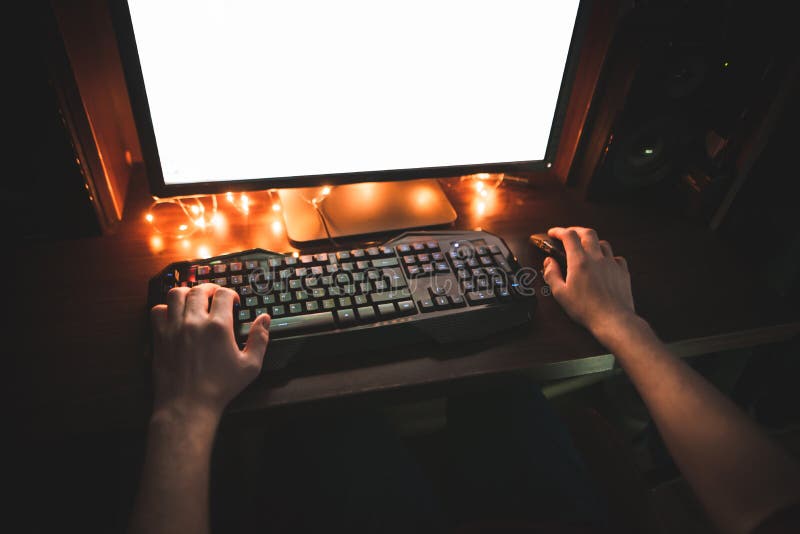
614 327
187 417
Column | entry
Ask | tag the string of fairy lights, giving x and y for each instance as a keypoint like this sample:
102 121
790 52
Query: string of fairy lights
181 217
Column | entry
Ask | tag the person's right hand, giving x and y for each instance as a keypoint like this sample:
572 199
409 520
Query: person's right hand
597 289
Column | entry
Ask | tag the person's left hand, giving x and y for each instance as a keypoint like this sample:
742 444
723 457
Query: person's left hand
197 365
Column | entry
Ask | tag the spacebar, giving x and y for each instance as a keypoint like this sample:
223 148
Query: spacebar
299 324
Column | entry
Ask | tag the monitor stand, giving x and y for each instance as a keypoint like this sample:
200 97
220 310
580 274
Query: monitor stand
364 208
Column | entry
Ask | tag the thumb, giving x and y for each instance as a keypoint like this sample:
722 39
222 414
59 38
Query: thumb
258 338
552 275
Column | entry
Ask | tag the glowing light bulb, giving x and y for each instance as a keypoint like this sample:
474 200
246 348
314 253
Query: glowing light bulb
484 193
295 254
276 207
183 228
217 220
277 227
480 207
200 223
326 190
149 217
229 196
479 186
482 176
549 165
195 209
244 199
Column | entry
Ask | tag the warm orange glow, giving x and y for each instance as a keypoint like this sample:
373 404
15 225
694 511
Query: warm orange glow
217 220
229 196
156 243
480 207
484 193
296 254
185 243
195 209
479 186
200 223
149 217
203 252
326 190
244 199
183 228
277 227
276 207
482 176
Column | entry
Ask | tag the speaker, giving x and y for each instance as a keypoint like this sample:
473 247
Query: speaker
682 87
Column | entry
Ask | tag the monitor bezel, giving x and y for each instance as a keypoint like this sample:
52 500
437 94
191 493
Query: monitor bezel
123 25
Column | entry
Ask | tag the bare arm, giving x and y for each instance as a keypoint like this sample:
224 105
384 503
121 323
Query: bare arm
197 370
740 476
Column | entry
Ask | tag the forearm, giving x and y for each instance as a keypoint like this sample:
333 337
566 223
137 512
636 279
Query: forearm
173 496
739 474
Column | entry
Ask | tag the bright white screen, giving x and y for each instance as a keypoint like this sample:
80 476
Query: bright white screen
263 89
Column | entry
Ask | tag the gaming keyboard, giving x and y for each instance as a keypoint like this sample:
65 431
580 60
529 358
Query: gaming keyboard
446 286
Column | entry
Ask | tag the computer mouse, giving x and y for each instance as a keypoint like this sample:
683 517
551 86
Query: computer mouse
550 246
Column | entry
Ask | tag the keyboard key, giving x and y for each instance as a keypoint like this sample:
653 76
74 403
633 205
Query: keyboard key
385 262
251 301
295 283
494 249
290 260
457 301
345 302
275 262
301 295
300 272
244 315
328 304
221 281
295 307
268 299
427 268
236 280
346 317
436 291
312 281
424 258
360 300
426 305
362 265
404 248
321 258
334 291
250 265
433 245
220 268
279 310
245 290
301 323
348 266
365 287
236 266
418 246
260 311
410 260
387 310
486 260
306 259
387 250
285 297
373 251
442 302
366 313
442 267
358 253
318 292
413 270
406 307
343 255
312 305
480 297
317 269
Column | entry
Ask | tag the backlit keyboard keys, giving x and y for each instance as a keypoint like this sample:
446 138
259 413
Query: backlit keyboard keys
221 281
236 266
203 270
220 268
244 315
346 317
366 313
236 280
251 301
386 310
406 307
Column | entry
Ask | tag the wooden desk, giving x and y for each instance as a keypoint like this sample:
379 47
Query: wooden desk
79 351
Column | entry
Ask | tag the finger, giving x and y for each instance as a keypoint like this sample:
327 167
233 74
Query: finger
158 318
552 275
622 262
176 303
257 339
197 300
571 242
590 242
222 303
605 246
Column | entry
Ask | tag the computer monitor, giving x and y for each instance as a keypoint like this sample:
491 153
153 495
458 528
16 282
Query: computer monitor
242 95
